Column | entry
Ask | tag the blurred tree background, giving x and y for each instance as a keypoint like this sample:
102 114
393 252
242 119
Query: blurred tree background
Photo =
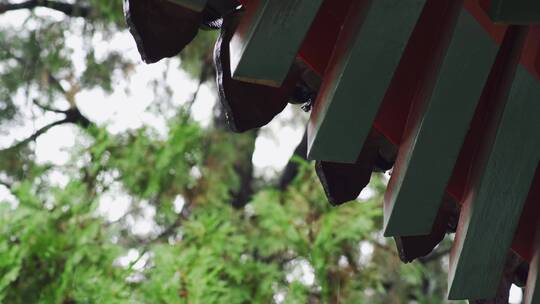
221 233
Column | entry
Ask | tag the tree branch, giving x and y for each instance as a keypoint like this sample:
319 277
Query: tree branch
72 10
5 184
435 255
47 108
73 116
36 134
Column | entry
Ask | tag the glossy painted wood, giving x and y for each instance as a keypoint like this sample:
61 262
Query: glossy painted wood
321 39
515 11
500 182
268 38
413 247
366 55
532 293
529 221
160 28
344 182
531 55
436 130
417 71
498 85
247 105
195 5
319 44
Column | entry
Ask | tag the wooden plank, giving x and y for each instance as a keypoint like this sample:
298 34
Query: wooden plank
319 43
247 105
457 185
315 52
529 222
511 267
367 53
532 292
515 11
195 5
268 38
531 55
436 130
419 66
321 39
412 247
501 179
161 29
344 182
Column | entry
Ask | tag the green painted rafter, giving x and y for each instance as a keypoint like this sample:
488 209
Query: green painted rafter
368 51
501 180
268 39
436 130
515 11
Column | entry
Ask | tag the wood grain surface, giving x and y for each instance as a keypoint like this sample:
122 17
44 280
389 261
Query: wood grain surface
367 53
436 130
500 183
268 39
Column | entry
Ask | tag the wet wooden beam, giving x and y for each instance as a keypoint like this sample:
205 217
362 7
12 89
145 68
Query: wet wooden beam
367 53
529 222
161 29
413 247
419 66
319 44
344 182
512 265
500 182
458 183
195 5
435 132
268 39
247 105
515 11
532 293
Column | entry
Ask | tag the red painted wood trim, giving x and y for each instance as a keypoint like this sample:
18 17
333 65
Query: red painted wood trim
457 186
321 39
352 22
475 157
531 55
437 124
496 88
316 51
480 10
363 63
416 74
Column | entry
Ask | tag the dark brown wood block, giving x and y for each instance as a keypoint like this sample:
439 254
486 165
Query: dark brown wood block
344 182
413 247
247 105
161 28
